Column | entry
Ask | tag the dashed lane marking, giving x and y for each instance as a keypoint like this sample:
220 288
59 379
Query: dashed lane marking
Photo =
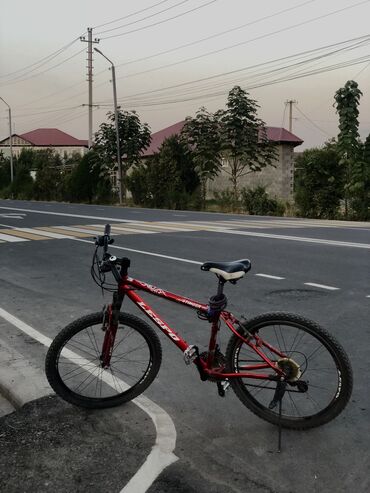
322 286
270 276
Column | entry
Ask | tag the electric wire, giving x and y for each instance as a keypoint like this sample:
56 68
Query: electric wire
20 79
312 122
41 62
364 39
143 18
257 38
192 43
162 21
131 15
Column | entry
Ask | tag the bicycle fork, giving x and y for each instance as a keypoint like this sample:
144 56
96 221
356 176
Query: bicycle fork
110 326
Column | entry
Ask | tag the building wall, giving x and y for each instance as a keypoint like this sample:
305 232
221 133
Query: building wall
277 179
17 149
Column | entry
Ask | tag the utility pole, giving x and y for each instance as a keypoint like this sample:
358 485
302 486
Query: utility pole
10 141
291 102
119 160
90 43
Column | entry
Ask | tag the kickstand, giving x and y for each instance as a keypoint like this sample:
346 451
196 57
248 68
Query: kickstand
280 428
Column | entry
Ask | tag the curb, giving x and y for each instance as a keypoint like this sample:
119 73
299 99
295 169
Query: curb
20 380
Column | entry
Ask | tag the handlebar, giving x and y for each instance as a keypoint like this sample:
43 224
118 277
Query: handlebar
109 262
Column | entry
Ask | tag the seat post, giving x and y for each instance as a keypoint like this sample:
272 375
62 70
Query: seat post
220 288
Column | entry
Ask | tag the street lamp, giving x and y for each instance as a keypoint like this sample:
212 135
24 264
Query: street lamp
11 140
117 124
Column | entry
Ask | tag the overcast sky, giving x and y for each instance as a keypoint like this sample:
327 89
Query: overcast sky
198 38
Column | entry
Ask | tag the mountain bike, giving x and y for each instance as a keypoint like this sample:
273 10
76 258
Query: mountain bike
286 369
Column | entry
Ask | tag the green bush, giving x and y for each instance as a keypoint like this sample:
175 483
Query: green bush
225 199
257 202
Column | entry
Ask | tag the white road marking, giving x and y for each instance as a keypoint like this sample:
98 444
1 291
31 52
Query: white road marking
49 213
322 286
146 253
161 455
299 238
270 277
368 296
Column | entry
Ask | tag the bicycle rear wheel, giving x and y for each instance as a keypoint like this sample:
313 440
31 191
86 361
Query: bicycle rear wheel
313 358
73 366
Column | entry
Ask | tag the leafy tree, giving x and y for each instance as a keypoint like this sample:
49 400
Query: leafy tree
347 100
48 183
85 183
319 182
134 138
245 144
168 179
4 171
203 138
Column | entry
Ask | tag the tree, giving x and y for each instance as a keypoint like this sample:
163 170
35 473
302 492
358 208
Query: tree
319 182
168 179
245 144
134 138
85 183
203 138
347 100
4 171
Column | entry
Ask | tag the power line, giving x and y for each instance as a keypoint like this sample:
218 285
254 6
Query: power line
192 43
312 122
162 21
130 15
365 38
178 47
42 61
242 43
144 18
20 79
329 68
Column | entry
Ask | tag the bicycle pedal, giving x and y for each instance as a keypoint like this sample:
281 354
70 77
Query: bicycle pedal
191 354
223 387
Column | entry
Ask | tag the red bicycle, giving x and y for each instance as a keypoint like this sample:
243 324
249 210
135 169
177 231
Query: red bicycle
284 368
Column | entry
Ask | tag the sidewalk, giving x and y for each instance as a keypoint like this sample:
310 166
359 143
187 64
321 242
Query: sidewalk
48 445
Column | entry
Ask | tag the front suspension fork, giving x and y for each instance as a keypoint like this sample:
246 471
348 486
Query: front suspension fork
110 326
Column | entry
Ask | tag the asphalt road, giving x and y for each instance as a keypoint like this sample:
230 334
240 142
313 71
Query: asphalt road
220 444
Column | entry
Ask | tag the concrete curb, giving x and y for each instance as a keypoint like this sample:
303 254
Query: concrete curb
20 380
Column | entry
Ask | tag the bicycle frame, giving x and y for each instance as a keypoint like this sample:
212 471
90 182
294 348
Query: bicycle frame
129 287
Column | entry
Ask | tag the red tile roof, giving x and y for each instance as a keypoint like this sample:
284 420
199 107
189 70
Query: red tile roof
52 137
159 137
275 134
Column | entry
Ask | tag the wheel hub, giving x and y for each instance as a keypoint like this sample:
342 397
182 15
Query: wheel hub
291 369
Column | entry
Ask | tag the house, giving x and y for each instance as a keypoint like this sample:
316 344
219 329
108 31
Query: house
278 179
44 138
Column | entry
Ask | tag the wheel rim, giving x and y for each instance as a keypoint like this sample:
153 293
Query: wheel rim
313 359
79 367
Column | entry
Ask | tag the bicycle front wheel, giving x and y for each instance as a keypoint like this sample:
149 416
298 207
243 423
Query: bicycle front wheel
73 362
319 374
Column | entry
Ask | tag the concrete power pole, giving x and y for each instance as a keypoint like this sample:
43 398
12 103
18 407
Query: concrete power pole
90 43
291 102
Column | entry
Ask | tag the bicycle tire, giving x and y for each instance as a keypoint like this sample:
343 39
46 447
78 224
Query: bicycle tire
257 400
76 335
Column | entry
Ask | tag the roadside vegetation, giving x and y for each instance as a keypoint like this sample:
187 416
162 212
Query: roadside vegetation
331 182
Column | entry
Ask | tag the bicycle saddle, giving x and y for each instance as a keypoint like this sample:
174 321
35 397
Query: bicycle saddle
228 270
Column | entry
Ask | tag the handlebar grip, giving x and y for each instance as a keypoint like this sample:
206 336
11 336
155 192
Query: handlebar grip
107 230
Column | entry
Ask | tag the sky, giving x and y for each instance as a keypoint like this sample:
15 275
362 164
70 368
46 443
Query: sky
174 56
